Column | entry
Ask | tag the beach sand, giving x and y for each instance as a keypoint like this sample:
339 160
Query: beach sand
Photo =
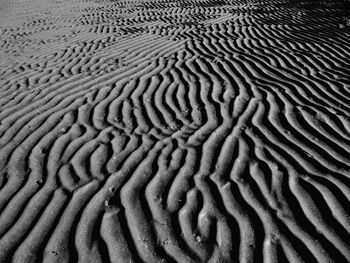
174 131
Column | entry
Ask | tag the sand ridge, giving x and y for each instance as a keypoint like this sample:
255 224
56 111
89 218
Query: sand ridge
174 131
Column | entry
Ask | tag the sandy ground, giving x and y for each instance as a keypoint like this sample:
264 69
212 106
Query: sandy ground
174 131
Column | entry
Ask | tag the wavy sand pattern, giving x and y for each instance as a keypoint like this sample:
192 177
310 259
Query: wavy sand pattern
174 131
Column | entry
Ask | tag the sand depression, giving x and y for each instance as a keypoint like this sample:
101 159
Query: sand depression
174 131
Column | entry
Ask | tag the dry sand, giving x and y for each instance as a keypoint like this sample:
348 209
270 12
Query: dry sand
174 131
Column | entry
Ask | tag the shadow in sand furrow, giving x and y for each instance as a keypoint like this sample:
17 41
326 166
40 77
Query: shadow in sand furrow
325 139
168 117
204 168
292 215
132 107
209 118
68 67
152 112
115 236
268 130
280 121
299 164
25 225
295 166
237 219
200 171
277 205
157 191
335 199
139 98
336 125
176 106
66 99
187 220
18 157
83 249
130 144
312 98
138 213
60 247
325 212
336 248
275 230
50 104
40 230
30 197
320 111
42 123
130 163
317 96
81 163
212 86
277 199
181 183
172 242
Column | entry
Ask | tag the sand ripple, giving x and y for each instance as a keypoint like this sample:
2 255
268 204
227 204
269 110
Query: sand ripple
174 131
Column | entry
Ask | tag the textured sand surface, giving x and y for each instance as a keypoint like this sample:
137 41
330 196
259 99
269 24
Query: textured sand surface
174 131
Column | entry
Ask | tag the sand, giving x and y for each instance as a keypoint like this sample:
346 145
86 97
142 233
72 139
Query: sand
174 131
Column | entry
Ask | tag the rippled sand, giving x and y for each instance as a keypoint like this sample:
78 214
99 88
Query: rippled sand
174 131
